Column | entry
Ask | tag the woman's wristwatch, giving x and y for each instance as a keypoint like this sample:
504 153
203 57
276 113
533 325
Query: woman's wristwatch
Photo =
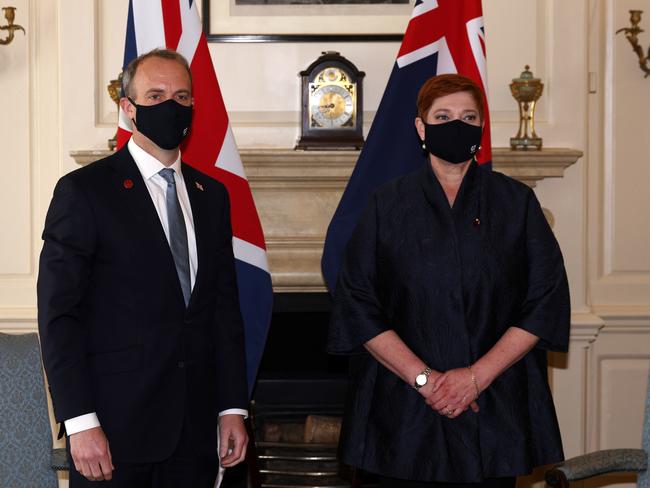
422 378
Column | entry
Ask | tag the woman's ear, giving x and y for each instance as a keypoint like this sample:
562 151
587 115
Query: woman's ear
419 126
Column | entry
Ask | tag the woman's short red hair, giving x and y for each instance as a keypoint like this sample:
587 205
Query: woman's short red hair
441 85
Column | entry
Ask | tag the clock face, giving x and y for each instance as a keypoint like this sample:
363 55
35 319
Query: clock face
332 100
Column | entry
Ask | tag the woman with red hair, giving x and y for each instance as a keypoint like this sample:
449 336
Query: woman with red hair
451 291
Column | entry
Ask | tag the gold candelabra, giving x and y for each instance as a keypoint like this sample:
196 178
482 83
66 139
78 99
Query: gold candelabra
10 15
632 35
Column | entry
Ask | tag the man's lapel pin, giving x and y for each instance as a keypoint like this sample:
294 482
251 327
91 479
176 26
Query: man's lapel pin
128 184
199 185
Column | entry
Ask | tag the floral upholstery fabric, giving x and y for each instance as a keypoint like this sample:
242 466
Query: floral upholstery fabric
606 461
25 434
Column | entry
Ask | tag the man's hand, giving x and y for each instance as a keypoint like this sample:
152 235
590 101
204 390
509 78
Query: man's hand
91 455
233 440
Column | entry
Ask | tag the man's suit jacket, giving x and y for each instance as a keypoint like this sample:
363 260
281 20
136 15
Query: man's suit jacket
116 336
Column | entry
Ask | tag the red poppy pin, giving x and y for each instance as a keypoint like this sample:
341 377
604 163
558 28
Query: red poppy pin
199 185
128 184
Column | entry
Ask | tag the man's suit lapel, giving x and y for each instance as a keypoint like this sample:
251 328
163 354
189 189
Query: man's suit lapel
134 194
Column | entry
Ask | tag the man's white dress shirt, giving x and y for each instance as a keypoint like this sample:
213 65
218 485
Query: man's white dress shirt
157 186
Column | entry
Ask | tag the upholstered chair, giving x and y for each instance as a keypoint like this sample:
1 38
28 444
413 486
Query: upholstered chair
607 461
26 455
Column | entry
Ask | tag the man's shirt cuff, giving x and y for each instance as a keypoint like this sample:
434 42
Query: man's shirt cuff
81 423
90 420
234 411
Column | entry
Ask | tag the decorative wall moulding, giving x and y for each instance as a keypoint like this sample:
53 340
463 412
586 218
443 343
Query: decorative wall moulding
625 315
585 327
18 318
297 192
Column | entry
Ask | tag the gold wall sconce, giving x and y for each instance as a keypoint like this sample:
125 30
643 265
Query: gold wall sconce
10 14
632 35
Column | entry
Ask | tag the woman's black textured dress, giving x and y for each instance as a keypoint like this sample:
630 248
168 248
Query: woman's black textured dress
450 282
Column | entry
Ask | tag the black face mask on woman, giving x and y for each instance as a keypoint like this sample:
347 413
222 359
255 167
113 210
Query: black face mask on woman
166 123
454 142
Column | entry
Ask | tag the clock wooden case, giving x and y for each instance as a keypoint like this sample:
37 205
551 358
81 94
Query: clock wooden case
332 104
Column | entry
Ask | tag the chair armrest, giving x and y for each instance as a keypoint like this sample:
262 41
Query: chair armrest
59 460
595 463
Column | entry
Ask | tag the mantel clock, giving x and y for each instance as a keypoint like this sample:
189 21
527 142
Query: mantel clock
332 104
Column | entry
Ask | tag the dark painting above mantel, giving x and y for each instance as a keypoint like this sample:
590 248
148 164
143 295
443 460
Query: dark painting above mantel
305 20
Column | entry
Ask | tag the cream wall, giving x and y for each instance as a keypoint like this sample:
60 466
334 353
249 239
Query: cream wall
595 100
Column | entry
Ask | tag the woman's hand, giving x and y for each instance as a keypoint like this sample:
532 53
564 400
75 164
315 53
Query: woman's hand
452 393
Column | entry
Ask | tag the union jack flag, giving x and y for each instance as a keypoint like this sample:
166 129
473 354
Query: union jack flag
210 148
443 36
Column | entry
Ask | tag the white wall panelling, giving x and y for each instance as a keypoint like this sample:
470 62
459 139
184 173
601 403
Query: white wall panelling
619 230
616 383
110 27
15 199
54 79
28 138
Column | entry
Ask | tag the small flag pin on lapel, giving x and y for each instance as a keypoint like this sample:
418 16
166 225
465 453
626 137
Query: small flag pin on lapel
128 184
199 185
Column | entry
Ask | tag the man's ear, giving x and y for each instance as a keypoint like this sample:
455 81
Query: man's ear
127 107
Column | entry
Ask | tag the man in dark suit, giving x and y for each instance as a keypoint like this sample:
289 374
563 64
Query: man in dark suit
138 307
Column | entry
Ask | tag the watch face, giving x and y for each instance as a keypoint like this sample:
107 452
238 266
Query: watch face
332 100
421 379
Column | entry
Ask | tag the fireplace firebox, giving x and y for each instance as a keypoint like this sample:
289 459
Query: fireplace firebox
299 398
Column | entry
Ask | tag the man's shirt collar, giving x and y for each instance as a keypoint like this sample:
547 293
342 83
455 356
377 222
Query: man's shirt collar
147 164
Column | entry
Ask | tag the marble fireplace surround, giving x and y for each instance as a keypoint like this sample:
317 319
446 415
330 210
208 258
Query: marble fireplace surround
296 194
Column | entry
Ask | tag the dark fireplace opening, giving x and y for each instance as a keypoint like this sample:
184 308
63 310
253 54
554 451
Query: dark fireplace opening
299 397
297 340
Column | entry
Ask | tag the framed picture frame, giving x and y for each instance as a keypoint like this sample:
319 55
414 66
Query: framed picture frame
305 20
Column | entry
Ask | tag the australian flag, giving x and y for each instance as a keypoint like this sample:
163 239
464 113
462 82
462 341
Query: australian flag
443 36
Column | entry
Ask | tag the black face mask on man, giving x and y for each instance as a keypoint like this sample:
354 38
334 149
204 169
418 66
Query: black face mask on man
166 123
454 142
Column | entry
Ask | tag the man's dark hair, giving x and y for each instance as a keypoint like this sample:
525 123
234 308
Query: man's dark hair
129 72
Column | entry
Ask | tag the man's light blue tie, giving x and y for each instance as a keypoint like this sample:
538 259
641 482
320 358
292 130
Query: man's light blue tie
177 234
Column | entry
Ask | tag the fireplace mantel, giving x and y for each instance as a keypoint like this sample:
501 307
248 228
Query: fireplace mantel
296 193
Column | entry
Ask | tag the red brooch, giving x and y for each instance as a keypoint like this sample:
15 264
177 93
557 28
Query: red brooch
477 222
128 184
